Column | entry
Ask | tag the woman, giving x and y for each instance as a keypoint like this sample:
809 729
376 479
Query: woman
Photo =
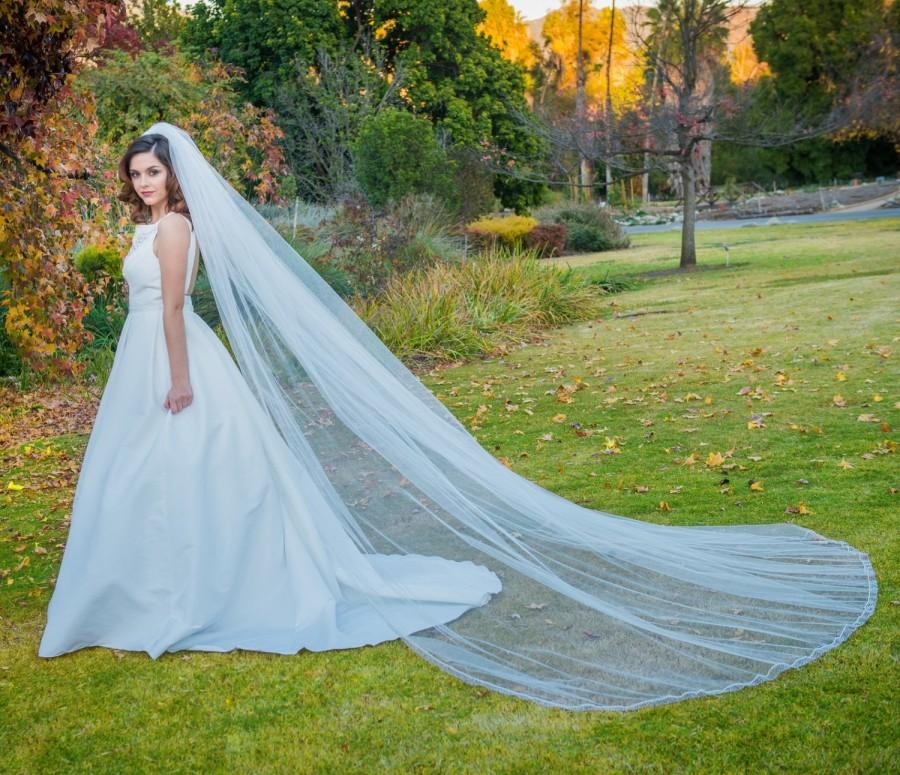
321 497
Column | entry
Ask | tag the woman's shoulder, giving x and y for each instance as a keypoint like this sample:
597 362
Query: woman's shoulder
181 218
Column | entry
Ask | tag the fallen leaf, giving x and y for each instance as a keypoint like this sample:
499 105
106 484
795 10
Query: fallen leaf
714 459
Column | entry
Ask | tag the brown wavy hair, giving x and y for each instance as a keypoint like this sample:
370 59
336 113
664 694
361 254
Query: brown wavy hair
158 145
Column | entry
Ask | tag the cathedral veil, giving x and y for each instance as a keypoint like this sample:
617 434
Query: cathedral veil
597 611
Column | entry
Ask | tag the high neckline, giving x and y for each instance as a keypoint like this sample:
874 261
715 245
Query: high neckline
156 222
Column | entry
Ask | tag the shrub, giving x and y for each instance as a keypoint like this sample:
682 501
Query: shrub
589 228
10 363
396 153
105 319
93 259
509 230
731 191
548 239
473 184
499 298
412 232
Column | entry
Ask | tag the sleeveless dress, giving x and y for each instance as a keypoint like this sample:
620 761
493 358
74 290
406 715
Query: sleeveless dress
201 530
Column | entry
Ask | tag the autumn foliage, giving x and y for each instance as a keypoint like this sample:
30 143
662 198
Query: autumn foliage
57 180
49 189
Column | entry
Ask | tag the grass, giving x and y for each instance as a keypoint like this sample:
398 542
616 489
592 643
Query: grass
449 311
679 365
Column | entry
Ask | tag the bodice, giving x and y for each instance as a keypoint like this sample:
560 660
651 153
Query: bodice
140 268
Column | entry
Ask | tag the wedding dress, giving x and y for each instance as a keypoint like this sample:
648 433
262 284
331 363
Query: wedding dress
317 495
180 536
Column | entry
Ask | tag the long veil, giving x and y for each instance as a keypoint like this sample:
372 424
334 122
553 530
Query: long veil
596 611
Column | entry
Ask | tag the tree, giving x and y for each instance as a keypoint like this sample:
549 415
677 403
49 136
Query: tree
456 77
587 68
132 92
686 47
452 74
158 23
321 111
560 33
694 103
508 32
51 188
266 40
812 48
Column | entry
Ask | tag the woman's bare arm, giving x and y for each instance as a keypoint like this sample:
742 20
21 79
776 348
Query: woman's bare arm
173 238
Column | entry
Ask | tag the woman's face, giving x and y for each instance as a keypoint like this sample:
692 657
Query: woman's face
148 176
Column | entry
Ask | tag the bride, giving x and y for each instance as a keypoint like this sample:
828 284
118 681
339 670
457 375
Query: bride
316 495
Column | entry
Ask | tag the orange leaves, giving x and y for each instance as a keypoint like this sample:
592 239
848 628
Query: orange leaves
477 419
47 298
612 446
782 379
690 459
564 394
756 421
756 393
714 459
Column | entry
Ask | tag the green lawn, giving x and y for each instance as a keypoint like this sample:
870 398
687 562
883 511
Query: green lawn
800 333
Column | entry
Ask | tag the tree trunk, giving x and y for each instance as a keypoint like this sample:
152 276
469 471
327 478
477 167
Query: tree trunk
645 178
689 192
586 171
608 106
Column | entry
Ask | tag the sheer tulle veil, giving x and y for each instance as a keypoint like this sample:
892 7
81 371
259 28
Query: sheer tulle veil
597 611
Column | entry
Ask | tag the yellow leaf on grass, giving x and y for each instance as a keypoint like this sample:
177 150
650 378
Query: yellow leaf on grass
14 487
714 459
756 485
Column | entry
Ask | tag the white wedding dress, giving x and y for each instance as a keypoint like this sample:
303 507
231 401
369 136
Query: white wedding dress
201 530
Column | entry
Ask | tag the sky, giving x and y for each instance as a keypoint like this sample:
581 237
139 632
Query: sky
535 9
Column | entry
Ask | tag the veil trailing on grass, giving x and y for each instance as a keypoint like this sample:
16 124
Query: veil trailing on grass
597 611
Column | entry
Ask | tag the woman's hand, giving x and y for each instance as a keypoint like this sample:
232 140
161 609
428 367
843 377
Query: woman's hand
180 396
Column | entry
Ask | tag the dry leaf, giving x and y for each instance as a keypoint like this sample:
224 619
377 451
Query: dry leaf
714 459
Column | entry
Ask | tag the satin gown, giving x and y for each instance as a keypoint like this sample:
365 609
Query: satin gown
201 530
